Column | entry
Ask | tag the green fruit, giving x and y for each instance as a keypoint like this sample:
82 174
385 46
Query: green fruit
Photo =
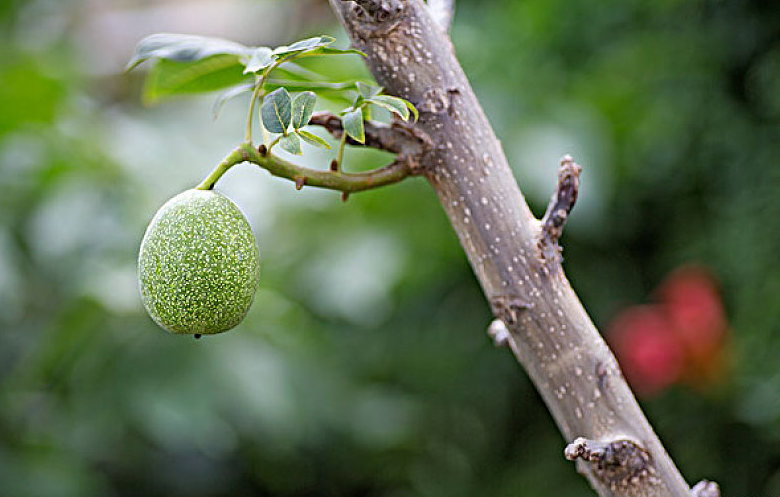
199 264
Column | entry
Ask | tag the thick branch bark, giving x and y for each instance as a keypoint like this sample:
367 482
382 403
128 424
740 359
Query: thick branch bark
548 329
442 12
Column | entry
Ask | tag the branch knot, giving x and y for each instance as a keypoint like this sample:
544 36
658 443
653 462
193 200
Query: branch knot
621 464
706 488
498 331
558 209
508 308
378 11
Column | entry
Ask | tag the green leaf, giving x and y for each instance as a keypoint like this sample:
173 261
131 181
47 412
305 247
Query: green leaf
329 51
297 78
183 48
168 77
302 108
259 59
314 42
295 70
277 111
368 91
393 104
412 108
312 139
291 143
230 93
318 86
353 125
304 45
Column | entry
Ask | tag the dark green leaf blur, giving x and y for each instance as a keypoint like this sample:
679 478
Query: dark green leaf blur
363 367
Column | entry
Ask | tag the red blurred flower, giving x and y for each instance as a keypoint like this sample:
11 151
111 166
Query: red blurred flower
649 352
682 338
692 302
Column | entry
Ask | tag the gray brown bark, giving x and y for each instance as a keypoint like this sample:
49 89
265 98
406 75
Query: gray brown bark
549 331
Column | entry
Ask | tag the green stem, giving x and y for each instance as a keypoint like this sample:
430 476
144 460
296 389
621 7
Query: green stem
258 95
331 180
340 155
293 85
255 96
276 140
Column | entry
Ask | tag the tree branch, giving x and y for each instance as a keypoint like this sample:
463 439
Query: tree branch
548 330
399 137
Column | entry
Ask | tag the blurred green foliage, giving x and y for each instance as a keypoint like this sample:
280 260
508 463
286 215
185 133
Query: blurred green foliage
363 367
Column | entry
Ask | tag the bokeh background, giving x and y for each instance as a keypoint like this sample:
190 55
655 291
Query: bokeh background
363 368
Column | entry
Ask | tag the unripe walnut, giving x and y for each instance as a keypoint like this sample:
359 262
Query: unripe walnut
199 264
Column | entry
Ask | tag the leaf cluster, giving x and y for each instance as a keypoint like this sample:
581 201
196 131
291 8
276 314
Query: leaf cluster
184 64
352 117
279 111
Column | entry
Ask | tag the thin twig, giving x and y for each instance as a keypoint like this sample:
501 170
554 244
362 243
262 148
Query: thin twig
561 204
563 199
399 137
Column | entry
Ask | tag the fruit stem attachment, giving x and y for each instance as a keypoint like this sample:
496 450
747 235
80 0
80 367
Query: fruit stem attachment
235 157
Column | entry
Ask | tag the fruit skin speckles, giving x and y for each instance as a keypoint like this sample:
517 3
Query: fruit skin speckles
199 264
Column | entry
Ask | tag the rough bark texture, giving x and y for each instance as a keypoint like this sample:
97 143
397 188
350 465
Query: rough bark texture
549 331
